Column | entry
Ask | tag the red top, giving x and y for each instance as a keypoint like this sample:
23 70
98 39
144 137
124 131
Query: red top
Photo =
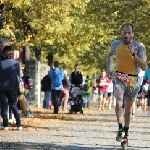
102 84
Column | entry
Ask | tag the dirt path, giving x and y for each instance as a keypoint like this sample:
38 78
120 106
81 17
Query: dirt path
94 130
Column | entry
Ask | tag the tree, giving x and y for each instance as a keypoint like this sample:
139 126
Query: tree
75 31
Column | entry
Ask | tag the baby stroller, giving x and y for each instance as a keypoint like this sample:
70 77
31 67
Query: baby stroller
76 100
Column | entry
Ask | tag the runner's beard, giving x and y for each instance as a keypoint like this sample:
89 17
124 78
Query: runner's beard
127 41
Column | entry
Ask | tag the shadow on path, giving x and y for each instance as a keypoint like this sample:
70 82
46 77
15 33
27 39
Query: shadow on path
47 146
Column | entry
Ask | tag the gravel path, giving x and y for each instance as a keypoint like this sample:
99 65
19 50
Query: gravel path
95 130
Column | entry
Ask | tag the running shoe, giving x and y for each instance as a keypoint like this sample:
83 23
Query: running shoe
120 135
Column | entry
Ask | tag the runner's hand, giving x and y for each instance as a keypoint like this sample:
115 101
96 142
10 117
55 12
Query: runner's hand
131 48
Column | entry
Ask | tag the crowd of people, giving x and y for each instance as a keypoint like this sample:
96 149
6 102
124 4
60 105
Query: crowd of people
102 91
124 85
63 90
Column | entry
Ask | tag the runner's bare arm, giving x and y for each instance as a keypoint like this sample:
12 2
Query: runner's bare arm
141 62
109 63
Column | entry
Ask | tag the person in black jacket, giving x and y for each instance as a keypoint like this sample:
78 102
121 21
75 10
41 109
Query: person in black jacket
76 77
46 87
3 43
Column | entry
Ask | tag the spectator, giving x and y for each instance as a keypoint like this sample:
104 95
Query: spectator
144 103
76 77
146 79
65 96
3 43
87 92
9 86
46 88
56 76
23 93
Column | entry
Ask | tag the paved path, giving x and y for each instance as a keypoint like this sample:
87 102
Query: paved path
95 130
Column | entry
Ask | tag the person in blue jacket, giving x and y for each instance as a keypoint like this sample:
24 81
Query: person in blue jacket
56 75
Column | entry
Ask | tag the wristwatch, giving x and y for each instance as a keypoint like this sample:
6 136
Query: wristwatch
134 53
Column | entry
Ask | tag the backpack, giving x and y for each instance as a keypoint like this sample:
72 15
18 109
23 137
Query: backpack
57 80
45 83
87 85
65 83
42 84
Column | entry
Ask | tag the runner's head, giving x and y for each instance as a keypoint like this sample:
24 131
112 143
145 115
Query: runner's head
127 32
103 74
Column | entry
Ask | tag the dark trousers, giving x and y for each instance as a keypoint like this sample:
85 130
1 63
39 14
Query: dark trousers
9 97
56 98
10 112
148 97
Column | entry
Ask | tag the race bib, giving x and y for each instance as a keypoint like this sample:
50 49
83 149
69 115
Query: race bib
123 77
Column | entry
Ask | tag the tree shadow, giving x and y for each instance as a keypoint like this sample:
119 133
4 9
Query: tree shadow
74 117
48 146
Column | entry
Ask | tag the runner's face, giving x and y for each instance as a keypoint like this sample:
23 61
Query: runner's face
127 34
103 73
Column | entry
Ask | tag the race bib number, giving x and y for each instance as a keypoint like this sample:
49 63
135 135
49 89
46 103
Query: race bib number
123 77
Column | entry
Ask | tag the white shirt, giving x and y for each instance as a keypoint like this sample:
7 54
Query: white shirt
110 87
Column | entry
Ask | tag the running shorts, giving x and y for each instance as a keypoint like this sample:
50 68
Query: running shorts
120 89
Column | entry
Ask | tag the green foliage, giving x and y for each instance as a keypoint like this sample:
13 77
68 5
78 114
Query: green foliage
78 31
